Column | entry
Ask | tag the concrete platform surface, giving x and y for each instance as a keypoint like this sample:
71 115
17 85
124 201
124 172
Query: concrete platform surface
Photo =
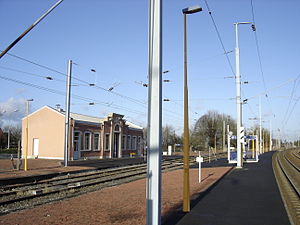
247 196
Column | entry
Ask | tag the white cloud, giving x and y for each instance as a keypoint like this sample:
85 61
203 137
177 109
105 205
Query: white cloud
12 111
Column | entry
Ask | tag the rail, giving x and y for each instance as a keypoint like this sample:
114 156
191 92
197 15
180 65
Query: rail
286 167
15 197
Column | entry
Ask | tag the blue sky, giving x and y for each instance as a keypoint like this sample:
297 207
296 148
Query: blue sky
111 36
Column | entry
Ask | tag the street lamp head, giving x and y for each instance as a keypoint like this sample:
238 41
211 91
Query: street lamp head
192 9
242 23
29 100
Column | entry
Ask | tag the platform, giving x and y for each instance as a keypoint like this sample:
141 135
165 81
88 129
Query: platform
247 196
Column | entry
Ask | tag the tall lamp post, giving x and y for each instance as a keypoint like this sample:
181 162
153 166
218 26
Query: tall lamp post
26 148
238 94
186 138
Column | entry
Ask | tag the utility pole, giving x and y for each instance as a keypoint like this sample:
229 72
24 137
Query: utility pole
238 95
224 148
260 129
228 143
8 138
67 113
215 143
271 142
238 99
154 137
27 136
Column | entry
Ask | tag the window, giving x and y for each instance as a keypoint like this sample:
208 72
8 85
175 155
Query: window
139 142
96 141
106 141
123 143
87 141
133 143
117 128
128 142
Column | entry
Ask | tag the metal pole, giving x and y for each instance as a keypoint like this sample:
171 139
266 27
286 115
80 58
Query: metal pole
26 149
253 139
215 143
154 136
186 140
238 99
224 134
19 155
228 143
271 135
29 29
260 130
257 148
199 178
8 139
67 114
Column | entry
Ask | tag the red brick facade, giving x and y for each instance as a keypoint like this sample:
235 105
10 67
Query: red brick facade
112 137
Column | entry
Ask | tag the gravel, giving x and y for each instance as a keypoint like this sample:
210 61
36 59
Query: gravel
121 204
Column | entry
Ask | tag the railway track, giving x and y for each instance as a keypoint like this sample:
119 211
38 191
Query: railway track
286 166
20 196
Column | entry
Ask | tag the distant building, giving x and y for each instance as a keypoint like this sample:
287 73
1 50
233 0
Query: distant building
90 137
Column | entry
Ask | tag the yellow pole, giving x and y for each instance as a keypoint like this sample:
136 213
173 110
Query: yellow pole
26 149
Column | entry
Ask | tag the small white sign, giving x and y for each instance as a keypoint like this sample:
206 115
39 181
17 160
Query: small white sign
199 159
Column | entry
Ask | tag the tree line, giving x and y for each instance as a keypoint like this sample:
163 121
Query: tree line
209 131
11 132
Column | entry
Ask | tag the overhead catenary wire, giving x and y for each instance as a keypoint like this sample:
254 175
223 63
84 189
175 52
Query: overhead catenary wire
219 37
86 99
75 78
139 102
274 88
289 104
223 46
288 115
107 104
259 57
292 110
32 74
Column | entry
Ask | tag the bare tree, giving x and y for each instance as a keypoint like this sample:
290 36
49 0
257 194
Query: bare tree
208 130
169 136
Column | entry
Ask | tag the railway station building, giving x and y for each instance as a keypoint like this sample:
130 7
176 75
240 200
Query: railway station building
90 137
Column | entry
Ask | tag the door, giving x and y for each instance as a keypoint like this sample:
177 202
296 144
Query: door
36 143
116 145
76 144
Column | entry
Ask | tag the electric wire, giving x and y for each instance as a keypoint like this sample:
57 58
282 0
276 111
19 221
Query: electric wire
32 74
219 36
259 56
139 102
289 104
287 117
111 105
274 88
223 46
75 78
